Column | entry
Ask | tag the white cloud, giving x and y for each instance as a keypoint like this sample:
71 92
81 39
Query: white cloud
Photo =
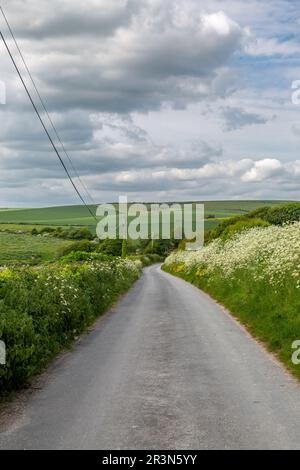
272 46
262 170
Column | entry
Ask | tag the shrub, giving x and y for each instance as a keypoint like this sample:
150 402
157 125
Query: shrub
242 225
256 274
17 332
78 256
217 231
47 230
278 215
147 260
80 234
61 234
160 247
260 213
282 214
43 309
82 245
111 247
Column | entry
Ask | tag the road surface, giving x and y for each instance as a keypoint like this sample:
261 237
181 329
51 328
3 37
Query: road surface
167 368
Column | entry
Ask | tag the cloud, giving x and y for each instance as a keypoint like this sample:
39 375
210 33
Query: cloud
272 46
205 181
263 170
134 55
71 19
136 89
237 118
97 143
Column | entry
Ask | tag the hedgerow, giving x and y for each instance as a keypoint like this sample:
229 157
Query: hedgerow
278 215
256 274
42 310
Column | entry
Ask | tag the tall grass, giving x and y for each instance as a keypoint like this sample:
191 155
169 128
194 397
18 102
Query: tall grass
256 275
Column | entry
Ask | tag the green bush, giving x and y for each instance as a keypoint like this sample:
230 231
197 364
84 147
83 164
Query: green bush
43 309
261 217
217 231
111 247
278 215
80 234
160 247
256 275
240 226
17 332
78 256
260 213
47 230
82 245
147 260
281 215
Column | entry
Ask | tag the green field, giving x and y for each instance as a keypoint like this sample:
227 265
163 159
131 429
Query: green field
18 246
26 249
79 215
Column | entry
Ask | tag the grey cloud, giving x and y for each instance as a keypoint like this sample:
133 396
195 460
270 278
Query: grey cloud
109 61
146 60
67 19
96 144
24 131
237 118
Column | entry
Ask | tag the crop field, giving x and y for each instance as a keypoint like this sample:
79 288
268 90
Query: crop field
26 249
78 215
18 246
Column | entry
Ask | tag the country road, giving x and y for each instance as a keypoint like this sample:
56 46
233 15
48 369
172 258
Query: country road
167 368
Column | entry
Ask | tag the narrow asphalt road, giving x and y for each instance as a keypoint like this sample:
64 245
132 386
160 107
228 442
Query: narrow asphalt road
166 369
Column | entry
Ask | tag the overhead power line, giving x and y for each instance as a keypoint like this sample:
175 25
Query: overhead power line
45 109
45 128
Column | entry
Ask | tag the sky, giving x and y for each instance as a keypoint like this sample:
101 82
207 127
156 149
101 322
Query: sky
159 100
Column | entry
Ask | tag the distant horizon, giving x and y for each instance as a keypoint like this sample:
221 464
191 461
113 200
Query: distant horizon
151 202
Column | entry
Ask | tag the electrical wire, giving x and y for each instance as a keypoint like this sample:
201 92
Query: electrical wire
45 128
45 109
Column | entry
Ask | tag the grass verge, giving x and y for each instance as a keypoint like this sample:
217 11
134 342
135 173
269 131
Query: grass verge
271 314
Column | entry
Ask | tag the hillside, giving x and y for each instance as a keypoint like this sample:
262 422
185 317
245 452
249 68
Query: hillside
78 214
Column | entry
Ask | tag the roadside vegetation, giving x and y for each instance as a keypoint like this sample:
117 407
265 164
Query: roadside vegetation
55 280
54 283
43 309
251 264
